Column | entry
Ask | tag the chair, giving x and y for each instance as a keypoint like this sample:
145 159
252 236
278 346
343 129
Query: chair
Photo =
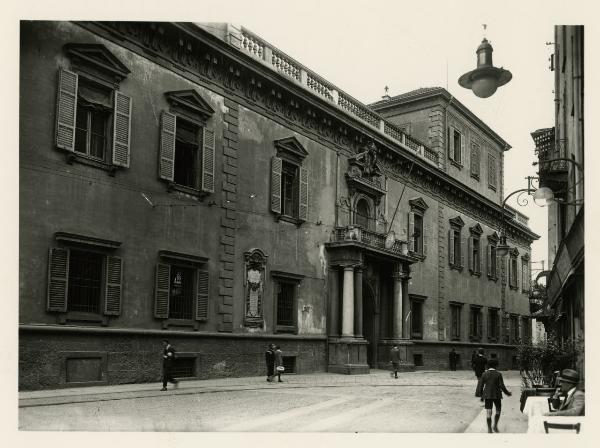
570 426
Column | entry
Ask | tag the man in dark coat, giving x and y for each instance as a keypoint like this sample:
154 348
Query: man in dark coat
270 358
453 359
168 361
479 364
490 388
395 360
574 402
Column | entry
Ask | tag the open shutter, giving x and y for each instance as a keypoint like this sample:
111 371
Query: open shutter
509 269
303 202
113 287
479 324
462 149
489 260
161 291
58 275
498 272
518 274
66 109
451 247
168 128
451 142
479 256
426 236
121 130
411 231
202 296
470 254
463 249
208 161
276 165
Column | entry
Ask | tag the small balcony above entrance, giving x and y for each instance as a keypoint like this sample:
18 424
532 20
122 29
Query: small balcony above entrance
373 242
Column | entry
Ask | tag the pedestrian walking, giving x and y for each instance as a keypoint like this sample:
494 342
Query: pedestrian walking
489 389
453 359
168 361
270 358
395 360
279 363
479 363
473 356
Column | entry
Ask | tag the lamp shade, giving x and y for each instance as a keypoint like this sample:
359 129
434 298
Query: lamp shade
502 248
543 194
485 79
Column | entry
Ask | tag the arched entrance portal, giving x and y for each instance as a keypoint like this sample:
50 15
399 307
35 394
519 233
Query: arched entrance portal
370 328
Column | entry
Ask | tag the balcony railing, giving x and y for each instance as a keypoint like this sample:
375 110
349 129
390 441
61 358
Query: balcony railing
263 51
369 238
547 148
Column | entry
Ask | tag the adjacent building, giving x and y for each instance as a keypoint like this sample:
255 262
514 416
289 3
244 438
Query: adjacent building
192 182
560 151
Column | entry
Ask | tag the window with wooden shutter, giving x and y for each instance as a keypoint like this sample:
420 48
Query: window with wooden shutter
208 161
463 249
66 109
161 291
276 165
462 150
426 236
451 247
202 296
303 202
492 174
167 146
113 286
470 254
121 130
498 266
490 272
479 324
411 231
451 143
58 275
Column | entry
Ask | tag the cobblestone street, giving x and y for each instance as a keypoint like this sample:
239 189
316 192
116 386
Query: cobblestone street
418 402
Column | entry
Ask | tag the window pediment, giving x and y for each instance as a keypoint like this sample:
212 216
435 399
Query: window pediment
418 204
181 257
190 104
514 252
291 149
98 58
476 229
457 222
73 238
494 237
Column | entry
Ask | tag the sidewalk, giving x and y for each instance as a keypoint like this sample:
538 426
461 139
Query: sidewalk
512 420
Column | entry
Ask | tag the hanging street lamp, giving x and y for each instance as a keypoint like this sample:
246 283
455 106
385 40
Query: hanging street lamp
486 78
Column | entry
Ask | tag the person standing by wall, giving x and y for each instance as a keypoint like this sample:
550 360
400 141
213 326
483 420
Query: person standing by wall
168 361
453 359
279 363
395 360
270 359
490 388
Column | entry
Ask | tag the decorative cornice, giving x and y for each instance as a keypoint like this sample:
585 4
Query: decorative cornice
208 61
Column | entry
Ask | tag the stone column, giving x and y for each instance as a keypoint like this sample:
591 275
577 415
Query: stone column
334 301
397 306
358 302
348 303
405 305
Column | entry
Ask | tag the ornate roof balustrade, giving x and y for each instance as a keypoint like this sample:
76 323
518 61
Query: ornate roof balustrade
278 61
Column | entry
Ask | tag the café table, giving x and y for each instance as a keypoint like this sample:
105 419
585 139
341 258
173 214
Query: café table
535 407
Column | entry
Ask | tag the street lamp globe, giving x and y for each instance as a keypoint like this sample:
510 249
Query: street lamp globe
544 194
485 79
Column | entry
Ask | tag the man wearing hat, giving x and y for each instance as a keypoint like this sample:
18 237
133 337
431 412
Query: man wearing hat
574 403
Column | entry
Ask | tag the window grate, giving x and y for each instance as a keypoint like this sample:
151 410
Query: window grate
85 281
285 304
289 363
184 367
181 299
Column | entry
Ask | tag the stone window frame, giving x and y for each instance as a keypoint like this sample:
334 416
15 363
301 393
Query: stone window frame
493 332
452 130
418 207
492 170
525 274
283 277
476 336
459 306
456 228
475 235
475 155
493 260
513 269
420 299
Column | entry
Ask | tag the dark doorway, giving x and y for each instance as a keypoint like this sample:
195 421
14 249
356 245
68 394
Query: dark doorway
369 327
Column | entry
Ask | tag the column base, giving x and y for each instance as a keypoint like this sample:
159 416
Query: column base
348 355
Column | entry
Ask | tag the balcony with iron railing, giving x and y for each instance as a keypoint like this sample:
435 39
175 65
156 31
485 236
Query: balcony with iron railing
287 66
552 174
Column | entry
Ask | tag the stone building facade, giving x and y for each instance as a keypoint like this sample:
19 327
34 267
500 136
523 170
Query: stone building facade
195 183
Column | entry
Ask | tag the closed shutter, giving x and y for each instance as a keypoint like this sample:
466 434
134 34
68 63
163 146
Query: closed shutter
489 260
202 296
121 130
168 128
451 143
303 202
498 272
470 253
411 231
479 256
463 249
113 287
58 276
479 324
498 323
208 161
66 109
161 291
276 165
451 247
